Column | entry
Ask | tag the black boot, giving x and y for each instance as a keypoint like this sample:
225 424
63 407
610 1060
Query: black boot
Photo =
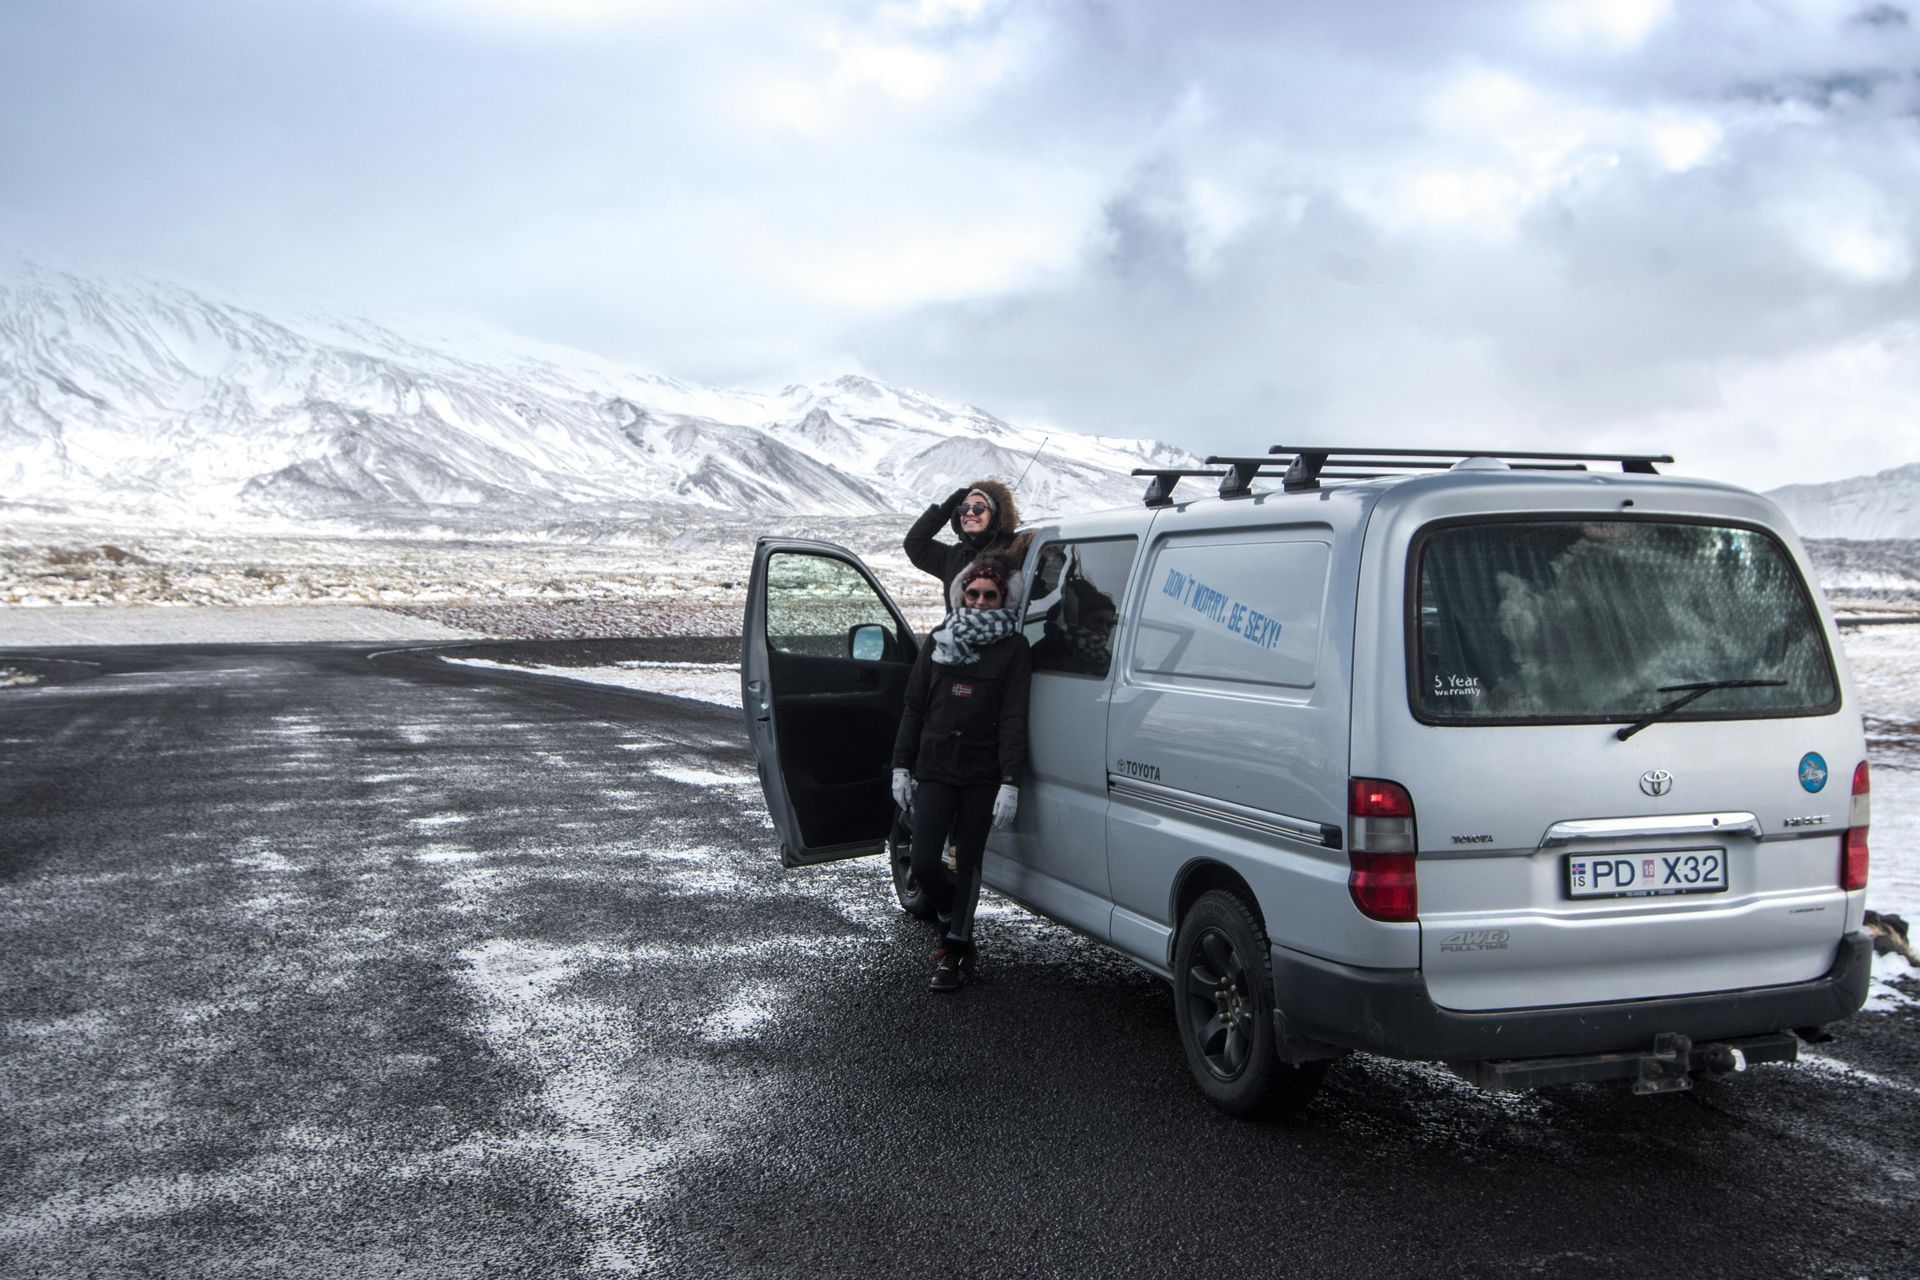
949 970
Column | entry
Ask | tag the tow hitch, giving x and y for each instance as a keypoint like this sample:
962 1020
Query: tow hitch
1668 1067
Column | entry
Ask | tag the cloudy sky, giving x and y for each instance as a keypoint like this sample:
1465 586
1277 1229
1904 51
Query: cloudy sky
1639 224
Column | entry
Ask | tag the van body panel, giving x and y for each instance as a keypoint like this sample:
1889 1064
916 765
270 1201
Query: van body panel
1153 846
1149 942
1057 845
1389 1011
1502 929
1231 712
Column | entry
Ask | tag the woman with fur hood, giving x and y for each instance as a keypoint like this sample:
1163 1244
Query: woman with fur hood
983 518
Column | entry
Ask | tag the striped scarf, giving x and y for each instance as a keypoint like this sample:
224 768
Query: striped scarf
955 640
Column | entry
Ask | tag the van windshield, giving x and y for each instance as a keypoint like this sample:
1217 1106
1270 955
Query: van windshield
1587 620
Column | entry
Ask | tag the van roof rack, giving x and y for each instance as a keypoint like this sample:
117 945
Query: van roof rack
1306 466
1160 488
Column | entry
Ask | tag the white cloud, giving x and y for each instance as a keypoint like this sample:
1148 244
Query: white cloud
851 79
1830 410
1848 226
1681 141
571 16
1495 146
1613 24
958 260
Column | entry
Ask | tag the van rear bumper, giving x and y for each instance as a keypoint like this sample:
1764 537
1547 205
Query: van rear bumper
1388 1011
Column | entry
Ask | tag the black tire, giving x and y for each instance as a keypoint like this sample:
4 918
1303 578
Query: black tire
1223 1000
905 886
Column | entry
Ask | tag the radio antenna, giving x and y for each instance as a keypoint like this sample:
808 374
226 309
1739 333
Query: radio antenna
1032 460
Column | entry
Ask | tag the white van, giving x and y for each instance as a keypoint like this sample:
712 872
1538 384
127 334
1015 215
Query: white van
1548 774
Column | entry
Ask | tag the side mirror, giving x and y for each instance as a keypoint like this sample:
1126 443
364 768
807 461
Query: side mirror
867 642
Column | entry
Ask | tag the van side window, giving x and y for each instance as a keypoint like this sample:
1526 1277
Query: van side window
1244 608
1074 604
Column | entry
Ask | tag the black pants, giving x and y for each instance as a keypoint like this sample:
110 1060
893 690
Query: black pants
940 808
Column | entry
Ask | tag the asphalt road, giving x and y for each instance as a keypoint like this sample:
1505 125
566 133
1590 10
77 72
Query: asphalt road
321 963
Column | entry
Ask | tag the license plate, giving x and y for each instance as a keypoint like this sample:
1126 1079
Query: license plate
1646 875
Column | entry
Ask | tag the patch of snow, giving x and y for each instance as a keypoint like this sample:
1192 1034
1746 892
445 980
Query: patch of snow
1886 674
82 1026
585 1060
1851 1074
438 854
715 682
1882 995
265 860
703 777
743 1016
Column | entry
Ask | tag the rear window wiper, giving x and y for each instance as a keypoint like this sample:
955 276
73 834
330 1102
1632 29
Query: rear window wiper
1692 692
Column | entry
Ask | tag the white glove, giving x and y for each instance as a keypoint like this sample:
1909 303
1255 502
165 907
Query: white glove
902 788
1004 805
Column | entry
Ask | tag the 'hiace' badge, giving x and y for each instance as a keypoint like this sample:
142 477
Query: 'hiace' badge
1813 771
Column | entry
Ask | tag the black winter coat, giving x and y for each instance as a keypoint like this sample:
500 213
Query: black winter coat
967 725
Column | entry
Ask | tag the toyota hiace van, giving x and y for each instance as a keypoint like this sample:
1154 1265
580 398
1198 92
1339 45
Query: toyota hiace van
1546 773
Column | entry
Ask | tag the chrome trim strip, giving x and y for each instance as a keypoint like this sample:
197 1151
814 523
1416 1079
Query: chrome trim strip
1671 824
1283 825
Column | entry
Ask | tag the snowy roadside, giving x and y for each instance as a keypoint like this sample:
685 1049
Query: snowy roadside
716 682
212 624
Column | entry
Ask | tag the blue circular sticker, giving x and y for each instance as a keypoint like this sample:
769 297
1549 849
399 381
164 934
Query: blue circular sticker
1813 771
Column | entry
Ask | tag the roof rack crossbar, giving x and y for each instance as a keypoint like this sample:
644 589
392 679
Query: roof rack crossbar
1160 488
1638 463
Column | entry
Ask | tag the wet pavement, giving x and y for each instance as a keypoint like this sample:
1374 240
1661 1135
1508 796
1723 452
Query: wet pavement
328 960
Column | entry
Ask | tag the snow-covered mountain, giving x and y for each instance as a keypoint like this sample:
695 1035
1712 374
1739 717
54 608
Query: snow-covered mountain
148 400
1883 505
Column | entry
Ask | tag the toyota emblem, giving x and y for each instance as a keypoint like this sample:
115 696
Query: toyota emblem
1656 782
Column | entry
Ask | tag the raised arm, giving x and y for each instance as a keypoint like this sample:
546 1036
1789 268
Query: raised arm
919 543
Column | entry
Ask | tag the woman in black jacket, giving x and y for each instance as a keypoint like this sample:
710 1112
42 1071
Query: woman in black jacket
983 518
963 742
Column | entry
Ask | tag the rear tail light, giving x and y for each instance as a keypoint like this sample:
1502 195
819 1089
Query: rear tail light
1380 850
1853 853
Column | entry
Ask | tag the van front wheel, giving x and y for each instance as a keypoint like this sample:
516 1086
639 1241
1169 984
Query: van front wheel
1223 992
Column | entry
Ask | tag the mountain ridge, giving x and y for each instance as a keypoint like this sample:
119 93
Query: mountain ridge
148 399
1883 505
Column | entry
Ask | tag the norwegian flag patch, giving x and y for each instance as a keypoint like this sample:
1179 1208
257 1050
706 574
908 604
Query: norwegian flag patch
959 690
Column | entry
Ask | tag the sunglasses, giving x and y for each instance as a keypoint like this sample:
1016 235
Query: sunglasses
974 509
977 595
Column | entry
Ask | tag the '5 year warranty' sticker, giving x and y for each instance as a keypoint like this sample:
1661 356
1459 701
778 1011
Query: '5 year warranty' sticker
1813 771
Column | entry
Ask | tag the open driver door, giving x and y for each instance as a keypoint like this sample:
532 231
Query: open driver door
824 660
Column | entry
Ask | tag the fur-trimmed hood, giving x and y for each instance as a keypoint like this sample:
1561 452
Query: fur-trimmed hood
1006 514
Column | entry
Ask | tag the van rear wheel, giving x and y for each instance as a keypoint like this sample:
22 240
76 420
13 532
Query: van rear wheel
1223 994
906 886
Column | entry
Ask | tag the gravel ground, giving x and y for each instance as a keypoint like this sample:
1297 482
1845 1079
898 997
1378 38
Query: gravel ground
332 961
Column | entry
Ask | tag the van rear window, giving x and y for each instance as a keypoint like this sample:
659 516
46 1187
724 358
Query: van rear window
1570 621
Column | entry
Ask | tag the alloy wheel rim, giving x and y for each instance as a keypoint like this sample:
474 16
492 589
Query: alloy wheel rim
1219 1004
